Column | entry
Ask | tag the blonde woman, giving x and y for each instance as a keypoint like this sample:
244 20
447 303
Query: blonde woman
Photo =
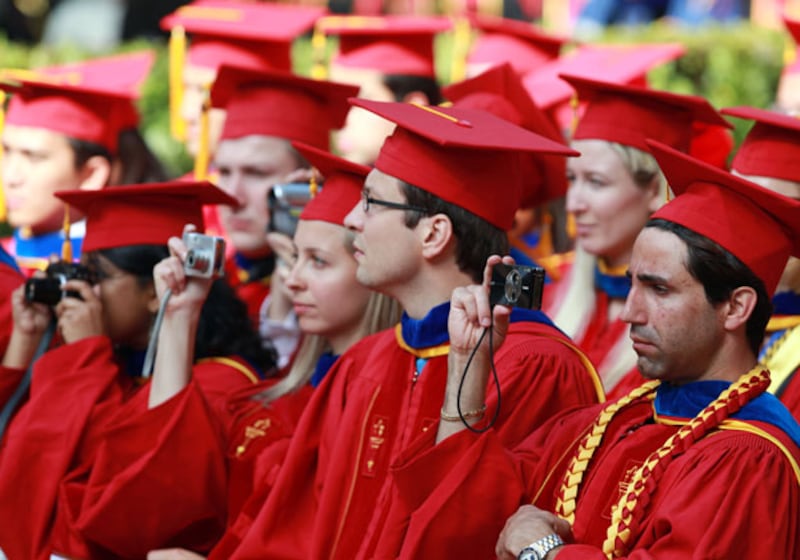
614 186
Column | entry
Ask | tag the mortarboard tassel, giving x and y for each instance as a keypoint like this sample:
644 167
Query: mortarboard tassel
319 47
66 246
177 55
462 33
203 150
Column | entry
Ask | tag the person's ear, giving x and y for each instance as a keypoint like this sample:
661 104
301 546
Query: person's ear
416 97
95 173
739 307
436 235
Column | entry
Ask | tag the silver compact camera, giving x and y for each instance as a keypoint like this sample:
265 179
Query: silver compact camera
286 202
205 257
516 286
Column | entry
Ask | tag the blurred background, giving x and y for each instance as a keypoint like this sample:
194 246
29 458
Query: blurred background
736 49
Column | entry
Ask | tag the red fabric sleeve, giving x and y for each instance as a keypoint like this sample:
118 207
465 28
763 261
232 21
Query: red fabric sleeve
47 436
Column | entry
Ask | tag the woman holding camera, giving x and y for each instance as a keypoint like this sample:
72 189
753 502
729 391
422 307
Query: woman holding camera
614 186
83 390
334 311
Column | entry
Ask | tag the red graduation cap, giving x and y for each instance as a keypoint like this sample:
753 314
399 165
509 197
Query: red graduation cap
761 228
79 111
500 91
341 190
771 148
118 73
124 73
467 157
628 115
280 104
248 34
146 214
624 64
519 43
390 44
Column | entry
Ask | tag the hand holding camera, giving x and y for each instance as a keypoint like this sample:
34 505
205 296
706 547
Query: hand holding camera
80 311
195 261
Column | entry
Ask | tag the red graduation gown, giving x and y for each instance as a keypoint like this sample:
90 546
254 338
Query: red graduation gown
333 492
68 432
599 337
714 501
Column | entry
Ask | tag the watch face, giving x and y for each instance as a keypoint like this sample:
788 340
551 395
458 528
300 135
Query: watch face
529 553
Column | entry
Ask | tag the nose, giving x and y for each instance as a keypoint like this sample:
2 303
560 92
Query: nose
294 280
575 202
633 310
355 218
233 184
11 170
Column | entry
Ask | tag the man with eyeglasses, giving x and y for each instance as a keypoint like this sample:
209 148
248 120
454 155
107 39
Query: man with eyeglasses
437 205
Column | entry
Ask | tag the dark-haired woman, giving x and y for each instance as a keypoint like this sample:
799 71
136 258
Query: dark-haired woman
83 390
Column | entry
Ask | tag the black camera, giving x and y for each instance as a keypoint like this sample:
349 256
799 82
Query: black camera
286 201
516 286
205 255
48 290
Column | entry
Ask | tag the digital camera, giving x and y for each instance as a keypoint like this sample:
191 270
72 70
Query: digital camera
48 290
516 286
205 257
285 202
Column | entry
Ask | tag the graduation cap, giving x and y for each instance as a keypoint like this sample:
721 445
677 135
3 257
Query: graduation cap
249 34
280 104
341 190
146 214
467 157
389 44
516 42
499 90
629 115
758 226
623 64
83 112
246 34
771 148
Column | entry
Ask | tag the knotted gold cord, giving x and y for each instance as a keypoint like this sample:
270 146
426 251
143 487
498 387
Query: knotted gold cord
566 501
631 506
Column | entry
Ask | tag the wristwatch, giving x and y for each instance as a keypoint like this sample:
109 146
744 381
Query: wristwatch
539 549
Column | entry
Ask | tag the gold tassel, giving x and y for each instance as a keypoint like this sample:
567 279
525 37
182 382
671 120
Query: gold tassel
177 56
313 186
319 54
203 150
574 103
66 246
462 33
545 245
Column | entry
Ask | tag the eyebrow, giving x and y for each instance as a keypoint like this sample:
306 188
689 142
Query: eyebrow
648 278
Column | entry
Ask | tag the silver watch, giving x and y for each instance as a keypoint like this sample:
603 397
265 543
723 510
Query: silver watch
539 549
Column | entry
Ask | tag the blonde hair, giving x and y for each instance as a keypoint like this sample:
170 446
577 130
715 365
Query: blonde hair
576 305
380 313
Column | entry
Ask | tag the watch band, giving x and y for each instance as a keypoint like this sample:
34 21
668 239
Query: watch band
538 550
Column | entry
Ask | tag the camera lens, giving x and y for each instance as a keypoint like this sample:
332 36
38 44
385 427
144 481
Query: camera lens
513 287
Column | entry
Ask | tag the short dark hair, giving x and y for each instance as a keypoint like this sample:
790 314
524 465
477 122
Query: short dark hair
402 84
720 272
83 150
476 239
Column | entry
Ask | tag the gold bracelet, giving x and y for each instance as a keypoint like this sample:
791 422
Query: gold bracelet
469 414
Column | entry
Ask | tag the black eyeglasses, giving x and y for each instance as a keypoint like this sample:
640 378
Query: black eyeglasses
366 200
